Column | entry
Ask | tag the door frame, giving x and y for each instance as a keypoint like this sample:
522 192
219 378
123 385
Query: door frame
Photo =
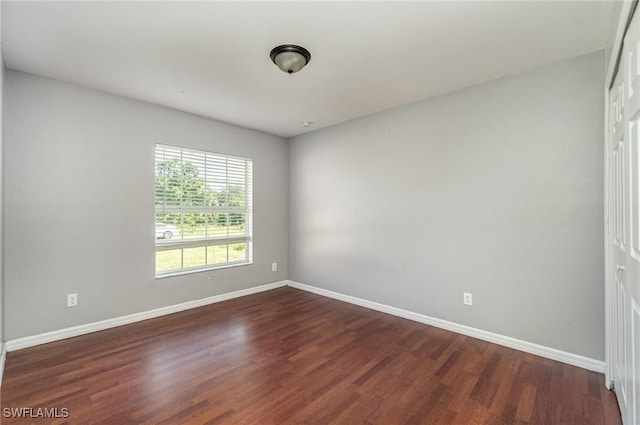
627 9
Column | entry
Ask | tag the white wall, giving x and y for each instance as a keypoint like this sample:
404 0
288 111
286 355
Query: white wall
80 209
495 190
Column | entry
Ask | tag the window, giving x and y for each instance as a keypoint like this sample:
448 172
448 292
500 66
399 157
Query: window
203 210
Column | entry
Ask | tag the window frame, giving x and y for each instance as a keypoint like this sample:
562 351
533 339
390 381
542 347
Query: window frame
210 241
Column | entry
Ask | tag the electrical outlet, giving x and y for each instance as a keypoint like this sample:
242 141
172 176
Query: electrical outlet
274 267
467 300
72 300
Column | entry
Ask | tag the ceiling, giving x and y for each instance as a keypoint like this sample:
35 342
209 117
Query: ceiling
212 58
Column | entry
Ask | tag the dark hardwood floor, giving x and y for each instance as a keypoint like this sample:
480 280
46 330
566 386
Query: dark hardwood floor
291 357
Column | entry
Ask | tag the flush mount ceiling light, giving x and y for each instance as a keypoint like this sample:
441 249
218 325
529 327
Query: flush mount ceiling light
290 58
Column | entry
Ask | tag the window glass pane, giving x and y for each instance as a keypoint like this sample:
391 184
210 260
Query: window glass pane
210 220
194 225
193 257
168 260
232 196
236 224
237 252
217 254
218 229
166 227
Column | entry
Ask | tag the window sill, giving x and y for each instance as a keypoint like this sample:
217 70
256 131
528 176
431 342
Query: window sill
201 269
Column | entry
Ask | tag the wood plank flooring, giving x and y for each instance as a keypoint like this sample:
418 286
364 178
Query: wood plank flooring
290 357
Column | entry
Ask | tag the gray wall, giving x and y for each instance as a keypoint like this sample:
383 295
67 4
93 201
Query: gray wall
495 190
2 103
79 205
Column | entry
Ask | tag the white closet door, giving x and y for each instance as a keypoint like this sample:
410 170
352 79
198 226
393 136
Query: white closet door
624 218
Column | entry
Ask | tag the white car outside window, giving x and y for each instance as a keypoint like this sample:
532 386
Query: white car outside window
165 231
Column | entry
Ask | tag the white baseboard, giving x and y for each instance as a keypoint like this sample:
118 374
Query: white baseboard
3 357
30 341
518 344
